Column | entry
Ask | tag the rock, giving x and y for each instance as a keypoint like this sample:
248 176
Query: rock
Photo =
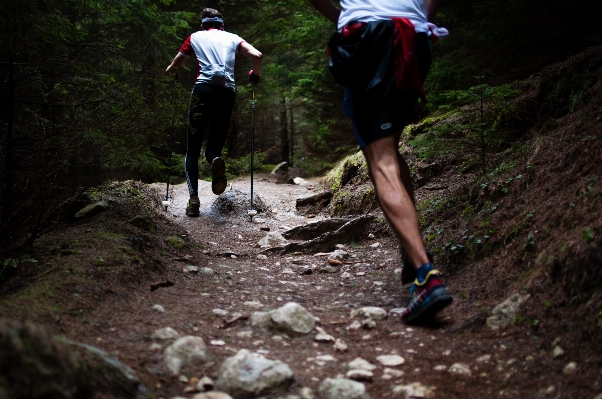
503 314
92 209
247 375
253 304
205 384
307 393
246 334
164 334
217 342
342 388
396 312
371 236
262 256
339 255
370 312
360 364
459 369
368 324
261 320
175 242
390 360
212 395
557 352
185 352
191 269
144 222
281 167
483 359
345 275
340 346
206 271
273 238
393 372
440 367
293 318
570 369
329 269
298 181
323 336
360 375
155 347
159 308
220 312
354 326
414 390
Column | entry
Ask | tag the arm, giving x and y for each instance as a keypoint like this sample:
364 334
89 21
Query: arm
177 63
327 8
251 52
432 8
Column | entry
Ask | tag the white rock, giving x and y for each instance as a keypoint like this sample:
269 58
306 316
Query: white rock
483 359
273 238
220 312
185 352
338 255
360 364
557 352
393 372
159 308
460 369
205 384
212 395
155 347
261 320
262 256
324 338
191 269
340 346
345 275
293 318
371 236
570 368
370 312
360 375
165 334
326 358
503 314
249 374
207 271
414 390
440 367
354 326
307 393
253 304
244 334
217 342
396 312
390 360
375 245
342 388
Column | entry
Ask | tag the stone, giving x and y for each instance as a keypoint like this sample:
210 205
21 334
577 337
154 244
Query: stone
206 271
329 269
261 320
155 347
459 369
92 210
368 324
262 256
323 336
293 318
281 167
159 309
272 239
191 269
342 388
220 312
164 334
307 393
396 312
339 255
175 242
186 352
326 358
345 275
212 395
370 312
205 384
340 346
253 304
217 342
144 222
393 372
354 326
248 374
414 390
483 359
440 367
557 352
299 181
360 364
503 314
390 360
570 369
360 375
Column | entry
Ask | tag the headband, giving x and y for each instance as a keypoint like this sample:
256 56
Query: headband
212 19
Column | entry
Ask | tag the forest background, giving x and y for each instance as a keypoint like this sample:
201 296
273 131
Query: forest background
83 97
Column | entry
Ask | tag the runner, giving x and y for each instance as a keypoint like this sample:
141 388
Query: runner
381 54
212 97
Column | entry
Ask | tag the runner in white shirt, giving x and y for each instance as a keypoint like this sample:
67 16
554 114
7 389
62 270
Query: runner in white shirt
381 53
212 97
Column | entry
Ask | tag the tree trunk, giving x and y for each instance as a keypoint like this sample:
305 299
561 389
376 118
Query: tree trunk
284 149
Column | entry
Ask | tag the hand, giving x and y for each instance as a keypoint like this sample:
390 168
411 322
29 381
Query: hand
254 79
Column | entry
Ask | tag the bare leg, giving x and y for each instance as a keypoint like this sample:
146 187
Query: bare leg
391 177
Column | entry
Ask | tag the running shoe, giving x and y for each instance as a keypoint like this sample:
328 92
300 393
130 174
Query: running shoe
192 209
408 272
218 176
429 298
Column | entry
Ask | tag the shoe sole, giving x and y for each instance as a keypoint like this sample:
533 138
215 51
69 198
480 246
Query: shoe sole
439 300
193 213
218 176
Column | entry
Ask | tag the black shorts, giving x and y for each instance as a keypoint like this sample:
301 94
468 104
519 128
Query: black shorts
375 116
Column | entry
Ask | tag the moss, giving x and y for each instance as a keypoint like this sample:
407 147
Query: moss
175 242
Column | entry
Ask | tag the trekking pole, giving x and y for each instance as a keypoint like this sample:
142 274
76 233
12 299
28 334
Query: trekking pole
252 212
166 203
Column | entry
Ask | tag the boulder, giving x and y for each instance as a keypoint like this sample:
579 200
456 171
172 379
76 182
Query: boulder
273 238
342 388
503 314
186 352
293 318
92 209
175 242
144 222
165 334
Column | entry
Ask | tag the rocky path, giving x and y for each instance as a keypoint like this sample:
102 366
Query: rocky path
293 326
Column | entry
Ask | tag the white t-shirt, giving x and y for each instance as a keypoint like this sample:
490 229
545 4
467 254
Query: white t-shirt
215 51
374 10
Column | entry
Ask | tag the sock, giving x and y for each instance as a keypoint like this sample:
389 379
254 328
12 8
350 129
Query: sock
422 271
